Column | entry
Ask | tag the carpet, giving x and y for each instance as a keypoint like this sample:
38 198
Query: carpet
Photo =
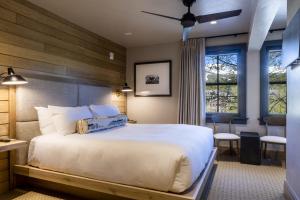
35 196
235 181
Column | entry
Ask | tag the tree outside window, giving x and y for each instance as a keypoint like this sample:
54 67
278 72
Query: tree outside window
226 82
273 90
277 83
221 83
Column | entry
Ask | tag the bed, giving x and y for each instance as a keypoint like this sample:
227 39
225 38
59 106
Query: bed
135 161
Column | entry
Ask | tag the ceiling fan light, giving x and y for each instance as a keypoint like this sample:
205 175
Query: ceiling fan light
188 20
128 34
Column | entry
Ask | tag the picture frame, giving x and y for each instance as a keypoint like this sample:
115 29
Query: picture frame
153 79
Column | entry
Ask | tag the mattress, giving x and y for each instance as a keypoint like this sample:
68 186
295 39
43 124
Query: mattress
167 158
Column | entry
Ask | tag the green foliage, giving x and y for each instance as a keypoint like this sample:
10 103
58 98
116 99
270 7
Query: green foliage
222 88
277 83
222 69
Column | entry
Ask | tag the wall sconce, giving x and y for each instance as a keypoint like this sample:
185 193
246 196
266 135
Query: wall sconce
111 56
125 89
11 78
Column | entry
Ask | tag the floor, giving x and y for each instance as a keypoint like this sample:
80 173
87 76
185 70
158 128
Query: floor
232 181
235 181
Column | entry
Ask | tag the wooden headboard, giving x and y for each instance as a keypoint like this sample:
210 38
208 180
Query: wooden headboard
43 93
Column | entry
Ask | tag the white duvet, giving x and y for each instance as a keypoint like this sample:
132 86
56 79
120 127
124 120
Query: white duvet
159 157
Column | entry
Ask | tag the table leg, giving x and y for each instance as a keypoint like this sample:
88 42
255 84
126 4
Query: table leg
237 148
218 151
285 155
261 148
265 150
11 161
230 146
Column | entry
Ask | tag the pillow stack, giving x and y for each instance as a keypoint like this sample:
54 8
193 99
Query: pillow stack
84 119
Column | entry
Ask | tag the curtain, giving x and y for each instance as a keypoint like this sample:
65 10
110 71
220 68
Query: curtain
192 83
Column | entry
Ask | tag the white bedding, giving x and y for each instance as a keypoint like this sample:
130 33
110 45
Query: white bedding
159 157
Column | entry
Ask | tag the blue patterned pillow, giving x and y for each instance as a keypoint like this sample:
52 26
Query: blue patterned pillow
99 123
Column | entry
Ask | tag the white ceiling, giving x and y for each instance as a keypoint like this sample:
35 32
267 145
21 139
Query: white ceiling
112 18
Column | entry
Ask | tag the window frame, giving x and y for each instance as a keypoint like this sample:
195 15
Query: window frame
241 49
264 80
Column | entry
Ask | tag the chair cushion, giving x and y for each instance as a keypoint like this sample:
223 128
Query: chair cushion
226 136
274 139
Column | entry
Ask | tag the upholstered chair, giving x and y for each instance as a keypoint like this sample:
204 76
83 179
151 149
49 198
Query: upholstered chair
269 139
225 136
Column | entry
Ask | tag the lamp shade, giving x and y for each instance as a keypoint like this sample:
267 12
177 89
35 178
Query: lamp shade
12 78
126 88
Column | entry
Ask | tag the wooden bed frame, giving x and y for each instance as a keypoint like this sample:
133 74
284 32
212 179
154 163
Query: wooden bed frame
115 189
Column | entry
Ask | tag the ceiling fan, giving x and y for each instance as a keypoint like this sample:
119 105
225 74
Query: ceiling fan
188 20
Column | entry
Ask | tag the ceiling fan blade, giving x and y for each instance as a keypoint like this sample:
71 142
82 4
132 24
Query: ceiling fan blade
185 33
217 16
162 15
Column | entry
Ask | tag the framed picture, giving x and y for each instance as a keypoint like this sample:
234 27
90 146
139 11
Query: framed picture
153 79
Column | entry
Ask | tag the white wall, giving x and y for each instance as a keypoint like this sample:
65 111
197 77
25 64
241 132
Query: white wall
165 109
293 134
154 109
292 6
293 120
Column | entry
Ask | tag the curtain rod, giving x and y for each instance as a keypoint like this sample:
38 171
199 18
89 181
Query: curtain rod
243 33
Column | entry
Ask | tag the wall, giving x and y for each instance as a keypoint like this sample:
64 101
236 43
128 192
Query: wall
154 109
164 109
293 118
40 44
292 6
293 127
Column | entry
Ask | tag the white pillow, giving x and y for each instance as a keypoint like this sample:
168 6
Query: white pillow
45 120
65 118
105 110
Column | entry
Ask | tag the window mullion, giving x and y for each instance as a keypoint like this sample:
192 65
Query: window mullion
218 86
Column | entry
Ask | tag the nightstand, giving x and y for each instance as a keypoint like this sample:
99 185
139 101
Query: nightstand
10 147
130 121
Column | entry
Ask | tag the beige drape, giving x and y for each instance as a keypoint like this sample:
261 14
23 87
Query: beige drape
192 83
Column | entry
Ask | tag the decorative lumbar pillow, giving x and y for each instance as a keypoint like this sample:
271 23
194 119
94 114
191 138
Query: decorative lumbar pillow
45 120
98 123
104 110
65 118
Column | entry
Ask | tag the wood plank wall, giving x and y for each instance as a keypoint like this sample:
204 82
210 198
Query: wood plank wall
38 43
4 131
36 40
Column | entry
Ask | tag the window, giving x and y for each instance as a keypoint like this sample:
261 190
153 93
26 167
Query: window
226 81
273 81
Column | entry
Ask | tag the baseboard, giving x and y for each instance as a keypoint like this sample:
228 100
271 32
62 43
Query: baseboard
289 192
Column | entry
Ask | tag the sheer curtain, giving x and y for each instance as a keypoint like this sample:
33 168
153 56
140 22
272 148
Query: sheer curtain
192 83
